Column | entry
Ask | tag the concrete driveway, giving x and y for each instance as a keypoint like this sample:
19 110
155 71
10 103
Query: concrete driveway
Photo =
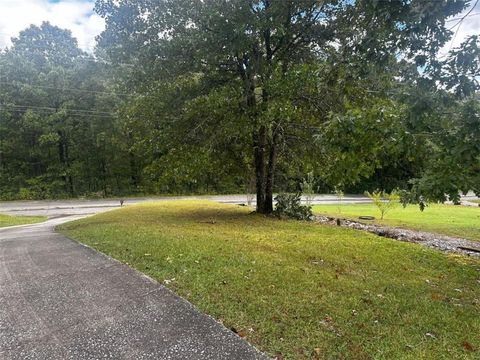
62 300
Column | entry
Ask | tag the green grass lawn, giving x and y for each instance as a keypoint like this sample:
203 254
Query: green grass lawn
7 220
460 221
300 289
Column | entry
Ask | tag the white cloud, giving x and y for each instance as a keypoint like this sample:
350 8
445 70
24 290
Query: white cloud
75 15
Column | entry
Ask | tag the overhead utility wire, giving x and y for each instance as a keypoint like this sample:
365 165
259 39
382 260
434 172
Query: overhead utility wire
18 83
459 18
44 112
465 16
80 111
459 24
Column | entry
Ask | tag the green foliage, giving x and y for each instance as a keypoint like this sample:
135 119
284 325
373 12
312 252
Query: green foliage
290 206
58 133
219 91
453 166
359 139
411 197
448 126
384 201
265 78
459 72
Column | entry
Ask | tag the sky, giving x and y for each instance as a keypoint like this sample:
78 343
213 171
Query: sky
78 16
470 26
75 15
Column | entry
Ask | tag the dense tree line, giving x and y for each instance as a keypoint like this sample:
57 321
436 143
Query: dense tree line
228 96
59 135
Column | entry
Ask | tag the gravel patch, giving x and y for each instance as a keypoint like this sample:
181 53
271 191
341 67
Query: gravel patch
435 241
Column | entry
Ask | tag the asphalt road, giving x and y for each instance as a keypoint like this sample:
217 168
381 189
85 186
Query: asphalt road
62 208
62 300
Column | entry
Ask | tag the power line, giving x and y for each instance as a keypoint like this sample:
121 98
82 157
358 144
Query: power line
459 23
57 109
18 83
459 18
44 112
79 111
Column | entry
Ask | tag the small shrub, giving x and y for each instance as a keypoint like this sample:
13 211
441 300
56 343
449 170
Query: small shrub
289 205
340 195
308 188
25 194
384 201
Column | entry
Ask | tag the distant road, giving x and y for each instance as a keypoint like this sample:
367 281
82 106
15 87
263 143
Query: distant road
65 208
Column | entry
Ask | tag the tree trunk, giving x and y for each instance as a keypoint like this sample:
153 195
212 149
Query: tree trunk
259 140
64 161
67 166
134 181
265 172
272 159
104 177
259 135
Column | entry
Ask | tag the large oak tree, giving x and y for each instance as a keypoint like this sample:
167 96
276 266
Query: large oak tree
284 66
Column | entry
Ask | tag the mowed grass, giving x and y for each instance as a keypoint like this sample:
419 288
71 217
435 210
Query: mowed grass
452 220
7 220
302 290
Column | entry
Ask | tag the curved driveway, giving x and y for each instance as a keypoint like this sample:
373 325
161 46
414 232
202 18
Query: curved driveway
62 300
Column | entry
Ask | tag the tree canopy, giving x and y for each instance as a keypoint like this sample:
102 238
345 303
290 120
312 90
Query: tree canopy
212 96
